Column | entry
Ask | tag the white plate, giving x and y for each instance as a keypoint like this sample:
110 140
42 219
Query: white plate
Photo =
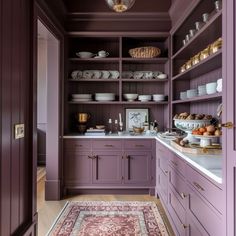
81 96
81 99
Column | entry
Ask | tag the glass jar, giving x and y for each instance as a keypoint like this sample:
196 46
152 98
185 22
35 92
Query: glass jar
188 64
204 53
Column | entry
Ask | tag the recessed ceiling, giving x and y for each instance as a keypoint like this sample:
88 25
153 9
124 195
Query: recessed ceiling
89 6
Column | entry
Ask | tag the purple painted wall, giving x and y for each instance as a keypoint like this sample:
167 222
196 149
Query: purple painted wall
17 180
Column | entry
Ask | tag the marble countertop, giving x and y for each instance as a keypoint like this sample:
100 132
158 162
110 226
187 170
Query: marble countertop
210 165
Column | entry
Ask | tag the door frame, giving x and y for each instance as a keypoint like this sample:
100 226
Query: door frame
53 180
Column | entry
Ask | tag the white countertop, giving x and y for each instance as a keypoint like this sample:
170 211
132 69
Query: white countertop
210 165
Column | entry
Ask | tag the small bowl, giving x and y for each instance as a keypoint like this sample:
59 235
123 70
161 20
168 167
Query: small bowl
85 54
219 85
138 130
211 88
130 96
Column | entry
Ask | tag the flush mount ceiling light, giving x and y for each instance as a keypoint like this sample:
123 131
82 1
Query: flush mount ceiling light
120 5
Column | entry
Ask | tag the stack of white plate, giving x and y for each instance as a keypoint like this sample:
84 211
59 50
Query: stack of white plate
158 97
81 97
105 96
192 93
144 98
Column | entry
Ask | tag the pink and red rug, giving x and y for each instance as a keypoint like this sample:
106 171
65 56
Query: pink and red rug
98 218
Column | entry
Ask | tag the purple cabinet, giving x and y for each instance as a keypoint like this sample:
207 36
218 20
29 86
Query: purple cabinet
137 167
77 168
205 214
107 167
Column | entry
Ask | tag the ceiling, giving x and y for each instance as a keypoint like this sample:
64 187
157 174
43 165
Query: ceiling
92 6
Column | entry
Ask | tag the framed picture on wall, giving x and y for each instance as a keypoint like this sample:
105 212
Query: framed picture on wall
135 117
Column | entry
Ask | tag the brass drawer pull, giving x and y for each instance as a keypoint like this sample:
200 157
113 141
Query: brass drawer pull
198 186
184 226
174 163
183 195
92 157
108 145
139 145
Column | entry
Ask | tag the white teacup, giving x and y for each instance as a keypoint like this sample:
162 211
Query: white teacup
105 74
103 53
114 74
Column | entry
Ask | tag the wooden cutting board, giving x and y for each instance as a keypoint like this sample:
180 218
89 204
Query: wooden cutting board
196 149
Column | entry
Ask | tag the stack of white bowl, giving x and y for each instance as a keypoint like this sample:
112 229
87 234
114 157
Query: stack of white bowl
144 98
192 93
105 96
130 96
202 90
183 95
158 97
211 88
81 97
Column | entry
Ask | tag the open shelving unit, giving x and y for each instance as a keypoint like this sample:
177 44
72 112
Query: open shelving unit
206 71
119 60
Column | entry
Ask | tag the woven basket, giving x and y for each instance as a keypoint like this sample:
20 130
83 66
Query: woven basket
144 52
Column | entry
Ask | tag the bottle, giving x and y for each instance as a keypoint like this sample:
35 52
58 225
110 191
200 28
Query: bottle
116 126
110 126
146 124
155 125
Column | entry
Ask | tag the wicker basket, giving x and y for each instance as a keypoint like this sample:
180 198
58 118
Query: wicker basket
144 52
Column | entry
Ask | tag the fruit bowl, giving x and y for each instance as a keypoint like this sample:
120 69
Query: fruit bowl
189 125
138 130
205 140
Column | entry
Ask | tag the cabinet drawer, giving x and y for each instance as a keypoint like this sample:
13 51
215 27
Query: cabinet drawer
207 189
138 144
163 164
178 184
177 164
107 144
177 213
77 144
163 186
205 214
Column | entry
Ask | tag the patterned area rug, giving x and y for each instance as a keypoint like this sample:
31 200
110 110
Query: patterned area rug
98 218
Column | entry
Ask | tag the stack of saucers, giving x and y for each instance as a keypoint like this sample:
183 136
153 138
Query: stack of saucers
81 97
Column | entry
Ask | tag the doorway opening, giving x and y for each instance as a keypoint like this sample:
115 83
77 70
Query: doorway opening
47 110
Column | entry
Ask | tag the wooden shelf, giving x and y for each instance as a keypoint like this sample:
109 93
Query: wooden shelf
158 60
212 62
93 80
96 60
200 98
207 31
120 103
145 80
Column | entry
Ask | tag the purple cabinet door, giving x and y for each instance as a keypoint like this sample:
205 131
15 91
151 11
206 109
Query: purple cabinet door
107 167
77 168
137 167
162 188
195 229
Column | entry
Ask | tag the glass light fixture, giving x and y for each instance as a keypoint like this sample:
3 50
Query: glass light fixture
120 5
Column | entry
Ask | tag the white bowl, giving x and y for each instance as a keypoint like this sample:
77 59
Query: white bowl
191 93
104 96
130 96
84 54
211 88
162 76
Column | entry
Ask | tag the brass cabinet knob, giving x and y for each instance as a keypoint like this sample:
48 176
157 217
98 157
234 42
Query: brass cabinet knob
184 226
228 125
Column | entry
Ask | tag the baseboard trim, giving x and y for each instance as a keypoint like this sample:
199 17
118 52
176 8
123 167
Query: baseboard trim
52 190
